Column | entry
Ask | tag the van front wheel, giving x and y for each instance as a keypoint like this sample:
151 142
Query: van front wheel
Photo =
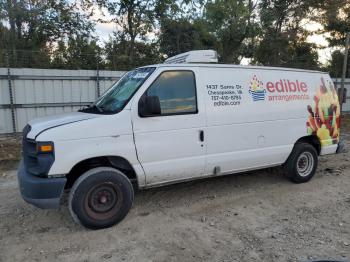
101 198
301 165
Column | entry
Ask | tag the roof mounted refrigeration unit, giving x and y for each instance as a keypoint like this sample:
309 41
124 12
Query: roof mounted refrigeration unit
197 56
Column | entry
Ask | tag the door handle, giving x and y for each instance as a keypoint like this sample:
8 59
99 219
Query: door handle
201 135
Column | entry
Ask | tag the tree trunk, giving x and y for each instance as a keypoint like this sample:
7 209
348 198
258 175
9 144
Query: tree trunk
131 32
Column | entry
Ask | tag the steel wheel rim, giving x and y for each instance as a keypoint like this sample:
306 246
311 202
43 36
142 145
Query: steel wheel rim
103 201
305 164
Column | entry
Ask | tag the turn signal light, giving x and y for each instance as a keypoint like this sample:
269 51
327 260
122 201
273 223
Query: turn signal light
45 148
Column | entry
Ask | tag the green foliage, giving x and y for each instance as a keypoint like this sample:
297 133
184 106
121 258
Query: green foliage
335 66
336 20
60 33
36 26
117 54
233 23
283 39
178 36
135 18
79 53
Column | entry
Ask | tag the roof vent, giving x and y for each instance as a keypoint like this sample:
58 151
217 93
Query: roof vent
197 56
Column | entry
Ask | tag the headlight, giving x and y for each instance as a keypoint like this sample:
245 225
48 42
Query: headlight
38 156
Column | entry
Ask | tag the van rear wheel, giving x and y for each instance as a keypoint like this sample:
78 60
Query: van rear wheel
101 198
301 165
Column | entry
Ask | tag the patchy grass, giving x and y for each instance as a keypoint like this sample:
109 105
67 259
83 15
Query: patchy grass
10 152
10 148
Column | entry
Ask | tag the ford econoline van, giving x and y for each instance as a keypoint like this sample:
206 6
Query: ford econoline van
188 118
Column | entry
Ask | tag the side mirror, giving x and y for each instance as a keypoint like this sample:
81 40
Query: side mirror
149 106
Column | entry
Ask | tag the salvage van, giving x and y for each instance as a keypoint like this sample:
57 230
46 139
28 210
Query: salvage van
188 118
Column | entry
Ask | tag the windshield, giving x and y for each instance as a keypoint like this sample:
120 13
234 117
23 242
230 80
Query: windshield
118 95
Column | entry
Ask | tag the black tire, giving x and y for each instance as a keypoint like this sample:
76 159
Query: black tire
100 198
301 165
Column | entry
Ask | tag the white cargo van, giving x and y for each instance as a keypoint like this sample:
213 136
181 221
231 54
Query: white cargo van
185 119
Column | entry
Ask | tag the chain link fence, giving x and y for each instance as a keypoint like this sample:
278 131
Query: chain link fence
74 60
52 60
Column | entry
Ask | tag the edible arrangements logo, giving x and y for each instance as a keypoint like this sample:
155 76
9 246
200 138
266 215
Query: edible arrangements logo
256 89
280 90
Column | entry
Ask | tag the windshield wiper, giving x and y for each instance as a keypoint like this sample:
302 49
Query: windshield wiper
103 110
98 108
91 108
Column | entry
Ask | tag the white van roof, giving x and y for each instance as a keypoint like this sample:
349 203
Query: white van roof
209 58
235 66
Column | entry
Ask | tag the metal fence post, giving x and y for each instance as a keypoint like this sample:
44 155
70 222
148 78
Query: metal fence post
98 90
12 106
345 67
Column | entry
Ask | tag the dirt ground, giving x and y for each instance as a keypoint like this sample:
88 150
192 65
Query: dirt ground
255 216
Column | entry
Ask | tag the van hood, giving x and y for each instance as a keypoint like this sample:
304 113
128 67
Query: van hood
41 124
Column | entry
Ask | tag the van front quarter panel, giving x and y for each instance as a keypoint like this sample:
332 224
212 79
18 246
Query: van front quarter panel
107 135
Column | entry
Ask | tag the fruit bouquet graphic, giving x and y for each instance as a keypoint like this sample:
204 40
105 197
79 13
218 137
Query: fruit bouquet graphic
324 115
256 89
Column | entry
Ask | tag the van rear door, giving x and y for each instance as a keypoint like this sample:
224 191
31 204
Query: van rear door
171 146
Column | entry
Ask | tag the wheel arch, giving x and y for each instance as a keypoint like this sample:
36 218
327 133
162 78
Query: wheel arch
312 140
116 162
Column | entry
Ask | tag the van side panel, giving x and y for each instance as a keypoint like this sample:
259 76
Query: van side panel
255 116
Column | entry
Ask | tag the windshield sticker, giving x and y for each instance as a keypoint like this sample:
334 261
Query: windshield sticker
140 75
225 95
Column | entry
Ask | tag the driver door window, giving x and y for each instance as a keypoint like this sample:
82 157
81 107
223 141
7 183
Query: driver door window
176 91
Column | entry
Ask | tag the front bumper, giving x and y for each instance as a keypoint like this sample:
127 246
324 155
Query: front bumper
39 191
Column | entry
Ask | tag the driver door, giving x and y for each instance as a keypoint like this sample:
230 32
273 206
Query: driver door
171 146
